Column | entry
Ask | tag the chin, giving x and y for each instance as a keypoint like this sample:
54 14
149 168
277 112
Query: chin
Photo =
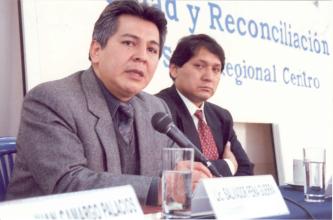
205 96
134 90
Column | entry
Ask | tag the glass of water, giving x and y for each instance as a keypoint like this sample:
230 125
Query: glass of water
314 163
177 182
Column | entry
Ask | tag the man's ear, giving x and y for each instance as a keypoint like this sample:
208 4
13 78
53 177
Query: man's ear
94 51
173 69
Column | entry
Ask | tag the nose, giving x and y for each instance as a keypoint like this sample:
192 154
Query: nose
208 74
140 54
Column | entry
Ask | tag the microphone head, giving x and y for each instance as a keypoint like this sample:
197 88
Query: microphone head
161 122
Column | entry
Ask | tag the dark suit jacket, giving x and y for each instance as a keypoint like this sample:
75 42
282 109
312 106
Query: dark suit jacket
67 141
221 123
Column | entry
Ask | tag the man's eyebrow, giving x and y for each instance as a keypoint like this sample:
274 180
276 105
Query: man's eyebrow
137 38
207 62
131 36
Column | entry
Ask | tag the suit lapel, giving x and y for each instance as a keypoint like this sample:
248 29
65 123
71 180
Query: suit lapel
184 119
104 126
147 146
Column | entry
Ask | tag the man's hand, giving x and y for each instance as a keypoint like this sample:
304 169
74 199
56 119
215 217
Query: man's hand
227 154
200 171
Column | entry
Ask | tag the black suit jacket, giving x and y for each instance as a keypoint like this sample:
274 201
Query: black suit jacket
221 124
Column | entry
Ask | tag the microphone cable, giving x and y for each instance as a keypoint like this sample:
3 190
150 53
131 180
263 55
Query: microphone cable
298 205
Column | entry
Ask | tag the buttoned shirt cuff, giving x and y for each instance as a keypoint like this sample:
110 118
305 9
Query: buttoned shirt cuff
231 166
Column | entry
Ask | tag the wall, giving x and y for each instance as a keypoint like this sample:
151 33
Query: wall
257 140
11 92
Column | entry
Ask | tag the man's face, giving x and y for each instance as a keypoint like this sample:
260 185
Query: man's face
199 77
128 61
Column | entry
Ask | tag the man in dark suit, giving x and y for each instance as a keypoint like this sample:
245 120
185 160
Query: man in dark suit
195 67
89 130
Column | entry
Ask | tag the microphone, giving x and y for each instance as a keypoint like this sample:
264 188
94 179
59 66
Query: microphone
163 123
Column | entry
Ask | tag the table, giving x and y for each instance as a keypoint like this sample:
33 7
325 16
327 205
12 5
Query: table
294 198
299 209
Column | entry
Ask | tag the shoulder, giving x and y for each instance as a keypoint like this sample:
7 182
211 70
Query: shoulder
57 86
152 102
52 93
219 111
165 94
146 97
171 97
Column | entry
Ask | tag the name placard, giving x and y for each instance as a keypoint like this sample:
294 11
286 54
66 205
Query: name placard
239 197
108 203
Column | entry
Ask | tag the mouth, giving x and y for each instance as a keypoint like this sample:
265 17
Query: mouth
135 73
206 88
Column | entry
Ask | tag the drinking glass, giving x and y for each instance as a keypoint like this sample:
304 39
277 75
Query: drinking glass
177 182
314 163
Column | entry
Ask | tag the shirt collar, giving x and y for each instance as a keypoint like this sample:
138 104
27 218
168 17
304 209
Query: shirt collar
192 108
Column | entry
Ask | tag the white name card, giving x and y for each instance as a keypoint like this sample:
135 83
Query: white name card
239 197
108 203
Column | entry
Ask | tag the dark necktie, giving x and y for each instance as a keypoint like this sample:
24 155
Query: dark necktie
208 144
125 126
